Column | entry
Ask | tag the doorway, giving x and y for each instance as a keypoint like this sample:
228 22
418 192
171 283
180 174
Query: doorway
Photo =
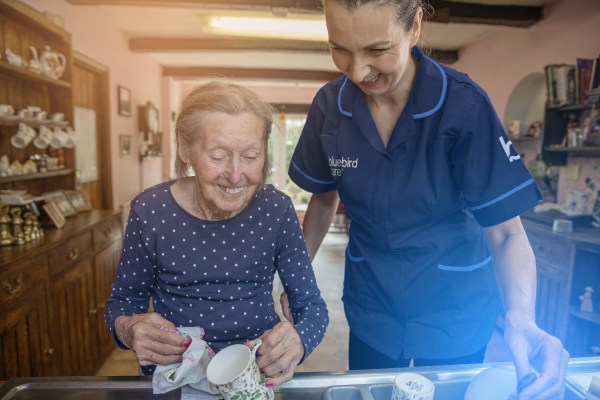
91 92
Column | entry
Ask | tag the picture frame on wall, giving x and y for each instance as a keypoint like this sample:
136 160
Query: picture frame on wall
59 198
124 101
124 145
78 200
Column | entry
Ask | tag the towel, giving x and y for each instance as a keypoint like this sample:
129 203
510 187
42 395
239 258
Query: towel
190 374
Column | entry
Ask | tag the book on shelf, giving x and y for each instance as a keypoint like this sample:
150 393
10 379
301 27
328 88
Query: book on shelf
584 78
561 84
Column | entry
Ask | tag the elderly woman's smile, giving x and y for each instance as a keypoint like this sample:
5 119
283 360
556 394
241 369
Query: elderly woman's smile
228 159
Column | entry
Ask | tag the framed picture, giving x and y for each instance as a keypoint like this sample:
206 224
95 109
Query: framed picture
54 214
124 145
59 198
124 101
78 200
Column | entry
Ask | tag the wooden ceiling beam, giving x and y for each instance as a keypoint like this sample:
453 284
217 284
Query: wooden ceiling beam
160 44
471 13
170 45
278 7
250 73
445 11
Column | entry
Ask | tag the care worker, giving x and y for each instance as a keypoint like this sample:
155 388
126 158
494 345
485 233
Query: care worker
434 188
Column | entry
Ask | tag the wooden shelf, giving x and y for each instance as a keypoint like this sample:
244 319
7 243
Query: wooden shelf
590 316
32 122
571 107
38 175
592 150
29 75
525 139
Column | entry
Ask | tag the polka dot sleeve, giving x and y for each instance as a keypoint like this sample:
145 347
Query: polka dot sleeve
297 276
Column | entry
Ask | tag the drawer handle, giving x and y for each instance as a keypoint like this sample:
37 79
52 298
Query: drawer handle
93 311
108 232
73 254
12 287
49 351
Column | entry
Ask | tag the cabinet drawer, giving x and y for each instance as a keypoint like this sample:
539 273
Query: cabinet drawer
75 249
107 232
19 281
551 251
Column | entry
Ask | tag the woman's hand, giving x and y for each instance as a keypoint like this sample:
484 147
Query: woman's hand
533 347
280 353
142 333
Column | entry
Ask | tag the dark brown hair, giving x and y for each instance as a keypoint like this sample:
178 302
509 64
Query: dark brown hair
405 10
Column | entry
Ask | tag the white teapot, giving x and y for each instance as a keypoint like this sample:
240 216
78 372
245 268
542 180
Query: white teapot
53 63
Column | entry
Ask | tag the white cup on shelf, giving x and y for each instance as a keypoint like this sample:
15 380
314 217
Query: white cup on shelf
71 138
59 139
23 137
43 138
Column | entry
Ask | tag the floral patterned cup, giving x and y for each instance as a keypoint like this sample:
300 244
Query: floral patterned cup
235 373
410 386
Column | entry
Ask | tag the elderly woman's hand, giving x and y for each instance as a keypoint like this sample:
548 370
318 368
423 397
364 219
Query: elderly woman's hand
280 353
142 333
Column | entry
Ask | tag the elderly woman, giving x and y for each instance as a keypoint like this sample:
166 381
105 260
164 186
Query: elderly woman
205 247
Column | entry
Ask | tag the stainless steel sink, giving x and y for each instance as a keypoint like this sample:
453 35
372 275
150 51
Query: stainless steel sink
450 384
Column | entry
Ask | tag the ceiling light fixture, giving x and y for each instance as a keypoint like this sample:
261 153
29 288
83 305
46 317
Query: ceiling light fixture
270 27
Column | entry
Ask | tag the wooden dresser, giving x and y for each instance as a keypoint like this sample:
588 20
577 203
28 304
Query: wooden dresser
52 296
566 264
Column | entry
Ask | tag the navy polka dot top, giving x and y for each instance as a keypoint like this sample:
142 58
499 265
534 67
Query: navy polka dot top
217 274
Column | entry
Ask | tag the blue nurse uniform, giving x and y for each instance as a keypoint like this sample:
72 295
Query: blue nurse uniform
418 277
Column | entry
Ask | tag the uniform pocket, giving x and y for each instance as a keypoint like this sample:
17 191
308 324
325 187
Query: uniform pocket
471 289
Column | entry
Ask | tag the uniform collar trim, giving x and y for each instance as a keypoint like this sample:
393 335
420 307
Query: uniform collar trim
430 74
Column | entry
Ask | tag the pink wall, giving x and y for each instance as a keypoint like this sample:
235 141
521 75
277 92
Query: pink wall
570 30
95 36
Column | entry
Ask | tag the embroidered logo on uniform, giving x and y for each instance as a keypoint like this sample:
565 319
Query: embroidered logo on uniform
337 165
507 149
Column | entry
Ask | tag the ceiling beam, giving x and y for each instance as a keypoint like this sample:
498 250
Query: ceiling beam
471 13
278 7
250 73
445 11
157 44
170 45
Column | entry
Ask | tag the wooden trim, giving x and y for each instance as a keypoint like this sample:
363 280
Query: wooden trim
17 9
256 73
89 63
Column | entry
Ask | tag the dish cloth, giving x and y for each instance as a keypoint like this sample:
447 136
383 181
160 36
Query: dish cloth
190 374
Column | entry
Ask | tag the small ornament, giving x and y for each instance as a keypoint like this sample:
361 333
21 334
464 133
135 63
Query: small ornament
586 299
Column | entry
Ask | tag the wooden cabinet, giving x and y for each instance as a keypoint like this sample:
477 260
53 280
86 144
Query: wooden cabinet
21 29
52 297
566 264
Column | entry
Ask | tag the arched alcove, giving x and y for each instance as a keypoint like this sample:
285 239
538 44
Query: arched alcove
526 104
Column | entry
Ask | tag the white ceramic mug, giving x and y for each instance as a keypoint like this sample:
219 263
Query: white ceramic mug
59 139
411 386
71 138
42 140
6 110
23 137
234 372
